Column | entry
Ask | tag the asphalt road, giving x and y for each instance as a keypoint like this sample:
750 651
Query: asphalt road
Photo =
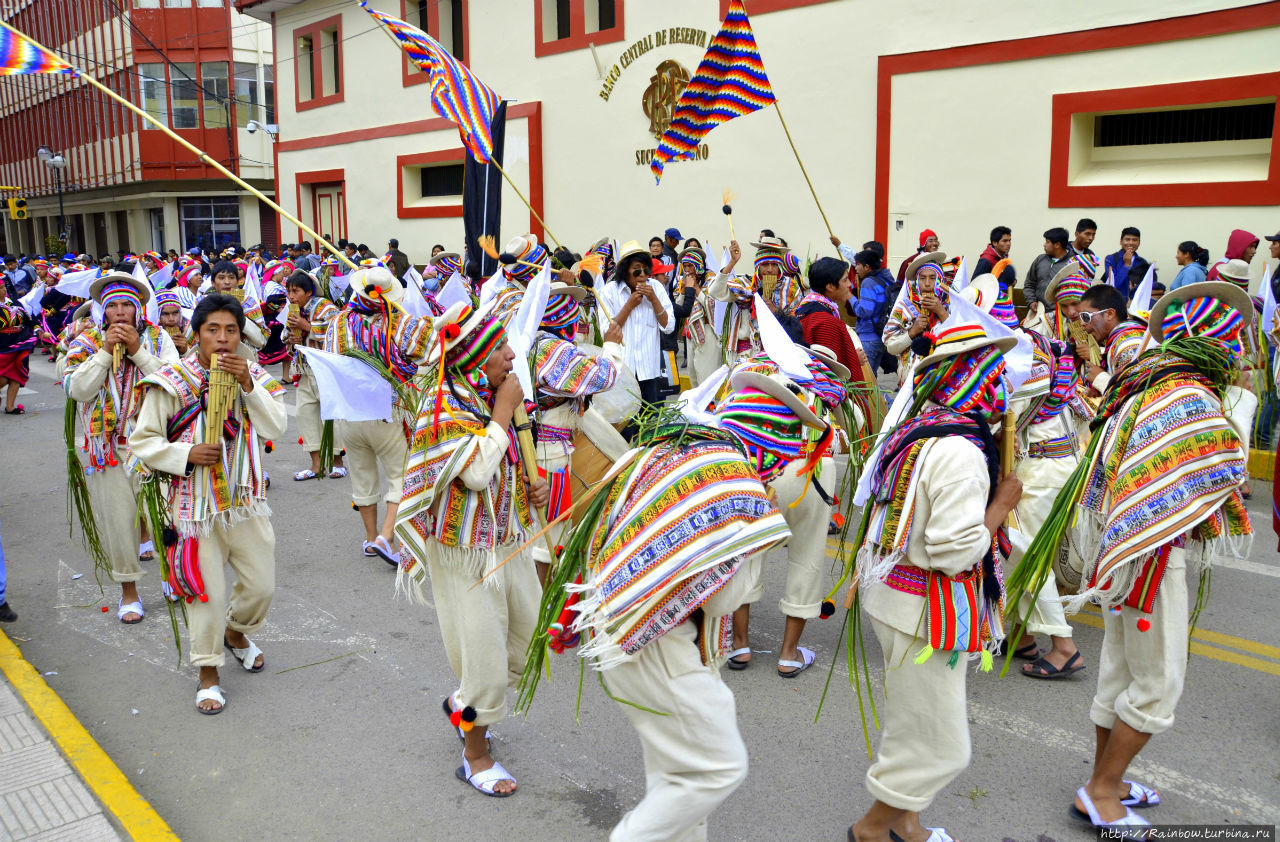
342 736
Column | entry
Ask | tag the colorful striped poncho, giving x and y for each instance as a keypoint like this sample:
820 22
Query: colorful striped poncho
674 530
565 373
1167 463
236 490
438 506
113 411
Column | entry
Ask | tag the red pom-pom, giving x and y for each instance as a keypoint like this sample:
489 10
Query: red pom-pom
190 600
559 550
451 331
204 597
299 439
1144 624
268 447
105 609
455 718
838 520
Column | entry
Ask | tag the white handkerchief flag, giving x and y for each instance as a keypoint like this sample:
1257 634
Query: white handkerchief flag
162 277
253 286
1017 368
414 303
454 292
694 401
349 389
1141 302
525 323
1267 319
793 361
152 314
76 284
492 287
338 285
962 277
32 300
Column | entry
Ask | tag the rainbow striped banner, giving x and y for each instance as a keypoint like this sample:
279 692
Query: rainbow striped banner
456 94
730 82
19 57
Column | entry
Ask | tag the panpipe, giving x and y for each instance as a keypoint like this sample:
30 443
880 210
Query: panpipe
237 294
117 356
222 396
768 284
173 330
294 310
1082 337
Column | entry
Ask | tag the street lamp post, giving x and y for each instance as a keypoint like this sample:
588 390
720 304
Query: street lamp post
57 163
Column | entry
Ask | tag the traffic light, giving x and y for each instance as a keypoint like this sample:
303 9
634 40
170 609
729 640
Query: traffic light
18 208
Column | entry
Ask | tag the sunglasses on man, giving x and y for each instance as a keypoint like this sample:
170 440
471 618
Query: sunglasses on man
1087 316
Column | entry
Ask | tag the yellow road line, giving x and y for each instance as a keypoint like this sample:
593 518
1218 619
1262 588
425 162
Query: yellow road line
1220 639
131 810
1090 618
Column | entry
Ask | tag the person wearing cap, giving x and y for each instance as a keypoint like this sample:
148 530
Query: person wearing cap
217 501
920 308
654 610
108 404
1063 296
670 242
928 243
1057 248
701 331
307 327
80 320
1104 314
368 324
639 304
936 535
1161 494
57 307
466 507
227 279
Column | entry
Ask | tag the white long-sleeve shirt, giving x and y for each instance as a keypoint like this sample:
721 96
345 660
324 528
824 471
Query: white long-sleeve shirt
641 345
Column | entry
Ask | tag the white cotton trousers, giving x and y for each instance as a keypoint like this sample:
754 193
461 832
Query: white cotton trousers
704 357
1141 674
1039 490
370 444
924 739
694 757
113 493
248 547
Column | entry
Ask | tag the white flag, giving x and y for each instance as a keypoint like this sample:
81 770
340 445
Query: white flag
1141 302
414 302
413 277
76 284
338 285
524 324
713 262
893 418
695 401
32 300
349 389
962 277
1267 319
162 277
253 286
453 292
1017 360
152 314
492 287
778 345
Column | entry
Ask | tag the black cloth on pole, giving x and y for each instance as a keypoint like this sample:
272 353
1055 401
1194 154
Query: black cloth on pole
482 200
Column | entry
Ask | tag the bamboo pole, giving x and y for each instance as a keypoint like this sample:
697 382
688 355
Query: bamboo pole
803 171
190 147
1007 441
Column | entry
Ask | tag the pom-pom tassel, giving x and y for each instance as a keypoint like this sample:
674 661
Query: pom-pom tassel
988 660
828 608
953 660
924 654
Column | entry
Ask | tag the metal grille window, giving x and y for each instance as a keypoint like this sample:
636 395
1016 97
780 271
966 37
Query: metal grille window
212 223
1188 125
444 180
155 94
186 96
213 75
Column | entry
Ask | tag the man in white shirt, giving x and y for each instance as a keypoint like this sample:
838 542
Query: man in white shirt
638 303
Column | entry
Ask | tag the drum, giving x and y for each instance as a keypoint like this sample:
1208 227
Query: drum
620 403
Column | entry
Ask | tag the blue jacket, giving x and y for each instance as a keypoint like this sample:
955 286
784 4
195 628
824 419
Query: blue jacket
1192 273
875 300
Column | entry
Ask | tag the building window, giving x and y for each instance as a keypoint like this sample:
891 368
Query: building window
442 180
211 223
564 25
269 92
213 78
443 20
1186 125
318 63
146 4
211 4
1183 144
185 92
154 92
248 103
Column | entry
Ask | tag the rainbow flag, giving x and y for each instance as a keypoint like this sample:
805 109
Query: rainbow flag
730 82
456 94
19 57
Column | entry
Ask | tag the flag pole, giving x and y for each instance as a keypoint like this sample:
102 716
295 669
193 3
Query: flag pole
387 32
198 152
803 171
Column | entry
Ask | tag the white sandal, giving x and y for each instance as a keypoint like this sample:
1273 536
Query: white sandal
131 608
807 657
382 548
144 548
739 665
1130 819
211 694
936 834
247 656
1140 796
338 473
487 780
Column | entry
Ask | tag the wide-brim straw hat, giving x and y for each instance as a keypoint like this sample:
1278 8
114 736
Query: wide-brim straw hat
828 358
577 293
445 255
1235 268
938 257
981 292
771 244
962 339
95 289
1224 291
1072 268
377 284
465 327
773 388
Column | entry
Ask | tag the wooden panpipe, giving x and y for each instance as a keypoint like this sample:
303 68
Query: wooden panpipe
294 310
222 396
1082 338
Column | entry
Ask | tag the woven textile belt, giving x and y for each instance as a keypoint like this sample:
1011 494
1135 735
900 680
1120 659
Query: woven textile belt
1058 448
548 433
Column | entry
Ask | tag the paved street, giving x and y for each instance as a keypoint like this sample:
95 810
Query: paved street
342 736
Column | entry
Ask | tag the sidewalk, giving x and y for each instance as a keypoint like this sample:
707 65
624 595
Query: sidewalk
56 782
41 796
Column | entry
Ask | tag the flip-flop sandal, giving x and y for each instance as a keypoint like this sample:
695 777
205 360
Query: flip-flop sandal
486 781
936 834
147 551
369 550
1140 797
734 663
1030 652
808 657
338 473
211 694
1046 671
247 656
130 608
17 410
302 476
384 551
1090 815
